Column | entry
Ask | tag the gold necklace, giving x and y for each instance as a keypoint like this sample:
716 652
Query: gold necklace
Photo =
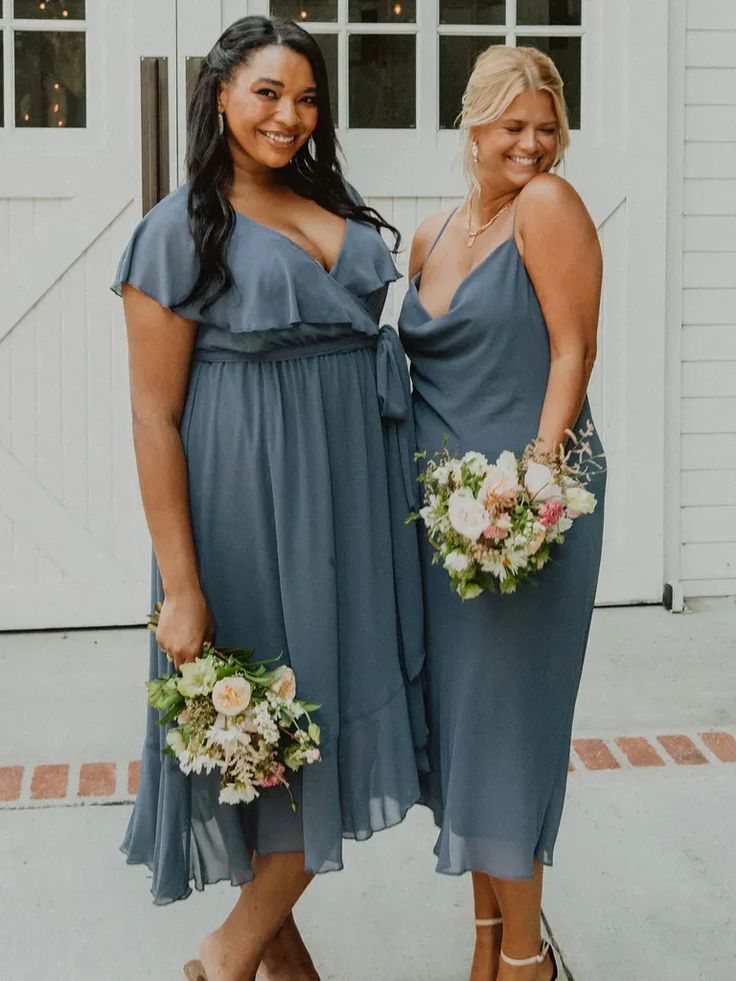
473 234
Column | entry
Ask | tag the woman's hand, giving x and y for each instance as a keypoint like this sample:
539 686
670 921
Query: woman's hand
184 624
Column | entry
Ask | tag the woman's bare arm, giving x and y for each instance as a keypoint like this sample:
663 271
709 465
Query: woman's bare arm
562 255
160 348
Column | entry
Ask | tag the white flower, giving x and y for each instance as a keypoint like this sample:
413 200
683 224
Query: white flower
198 677
564 524
312 756
467 515
457 473
494 565
507 463
231 696
540 482
475 462
457 561
175 740
237 793
227 737
284 683
579 501
441 474
499 483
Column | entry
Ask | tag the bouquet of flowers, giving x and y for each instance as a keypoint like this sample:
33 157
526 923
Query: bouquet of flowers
238 716
492 524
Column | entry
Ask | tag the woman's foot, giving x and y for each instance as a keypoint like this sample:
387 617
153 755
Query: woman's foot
487 953
530 972
286 958
221 963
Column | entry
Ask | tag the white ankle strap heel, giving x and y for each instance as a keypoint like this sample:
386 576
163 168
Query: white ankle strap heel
496 921
537 959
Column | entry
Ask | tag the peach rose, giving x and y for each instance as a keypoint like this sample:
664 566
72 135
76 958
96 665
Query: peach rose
231 695
284 683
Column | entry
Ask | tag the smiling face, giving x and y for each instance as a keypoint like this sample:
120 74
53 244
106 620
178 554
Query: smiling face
270 107
520 143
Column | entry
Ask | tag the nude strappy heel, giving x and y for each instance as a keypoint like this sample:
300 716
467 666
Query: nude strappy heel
193 971
538 959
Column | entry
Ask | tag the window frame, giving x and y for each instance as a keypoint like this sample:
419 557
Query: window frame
40 136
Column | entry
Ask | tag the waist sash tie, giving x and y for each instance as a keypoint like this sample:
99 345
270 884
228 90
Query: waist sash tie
394 395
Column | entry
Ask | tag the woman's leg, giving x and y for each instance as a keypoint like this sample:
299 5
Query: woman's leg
286 958
487 938
235 950
521 908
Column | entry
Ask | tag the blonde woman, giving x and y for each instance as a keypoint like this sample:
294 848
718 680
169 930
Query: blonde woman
500 326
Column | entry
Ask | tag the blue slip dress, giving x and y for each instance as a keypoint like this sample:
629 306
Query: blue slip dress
502 672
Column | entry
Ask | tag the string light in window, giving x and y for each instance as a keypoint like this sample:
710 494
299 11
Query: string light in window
42 6
398 9
56 107
26 118
56 86
60 123
303 14
65 13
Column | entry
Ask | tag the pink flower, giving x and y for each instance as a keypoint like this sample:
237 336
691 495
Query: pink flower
551 512
274 778
494 533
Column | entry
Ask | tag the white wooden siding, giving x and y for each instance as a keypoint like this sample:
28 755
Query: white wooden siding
708 409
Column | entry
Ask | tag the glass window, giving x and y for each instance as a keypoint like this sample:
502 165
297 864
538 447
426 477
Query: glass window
50 79
472 11
382 81
328 46
382 11
565 52
49 9
305 10
457 57
538 12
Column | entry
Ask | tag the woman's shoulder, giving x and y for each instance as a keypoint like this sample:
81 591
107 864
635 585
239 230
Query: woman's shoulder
549 199
425 237
170 215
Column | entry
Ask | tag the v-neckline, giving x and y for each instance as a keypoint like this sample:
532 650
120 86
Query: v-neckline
417 277
300 248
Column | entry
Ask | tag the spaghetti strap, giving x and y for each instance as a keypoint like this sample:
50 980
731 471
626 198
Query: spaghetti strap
445 223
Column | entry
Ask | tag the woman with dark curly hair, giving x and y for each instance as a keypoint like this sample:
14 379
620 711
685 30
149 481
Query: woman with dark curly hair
275 462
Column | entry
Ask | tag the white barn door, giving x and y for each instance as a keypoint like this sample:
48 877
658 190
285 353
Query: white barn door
73 545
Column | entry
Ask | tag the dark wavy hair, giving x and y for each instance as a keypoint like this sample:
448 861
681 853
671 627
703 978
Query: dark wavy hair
314 172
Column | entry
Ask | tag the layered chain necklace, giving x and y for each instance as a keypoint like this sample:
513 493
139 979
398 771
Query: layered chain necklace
473 233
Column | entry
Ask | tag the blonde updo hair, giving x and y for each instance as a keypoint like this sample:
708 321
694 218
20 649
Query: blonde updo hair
499 75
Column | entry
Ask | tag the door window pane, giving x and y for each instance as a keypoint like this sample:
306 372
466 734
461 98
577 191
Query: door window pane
49 9
305 11
50 79
328 46
565 52
534 12
472 11
382 81
457 57
382 11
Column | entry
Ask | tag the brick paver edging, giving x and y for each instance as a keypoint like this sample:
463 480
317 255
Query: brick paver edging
67 784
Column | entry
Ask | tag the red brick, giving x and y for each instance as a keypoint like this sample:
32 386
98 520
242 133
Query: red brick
134 775
722 744
639 751
97 779
682 750
595 754
49 782
11 778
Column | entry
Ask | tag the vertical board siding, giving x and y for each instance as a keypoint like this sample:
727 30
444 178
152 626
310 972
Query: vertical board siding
708 442
65 419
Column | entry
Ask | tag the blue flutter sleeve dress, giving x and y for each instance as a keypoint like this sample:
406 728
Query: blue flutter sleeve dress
298 439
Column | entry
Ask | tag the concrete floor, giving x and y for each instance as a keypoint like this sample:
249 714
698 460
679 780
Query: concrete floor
642 888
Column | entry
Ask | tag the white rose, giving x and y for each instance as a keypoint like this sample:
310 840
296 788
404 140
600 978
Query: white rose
456 561
499 483
475 462
540 482
231 696
467 515
579 501
284 683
